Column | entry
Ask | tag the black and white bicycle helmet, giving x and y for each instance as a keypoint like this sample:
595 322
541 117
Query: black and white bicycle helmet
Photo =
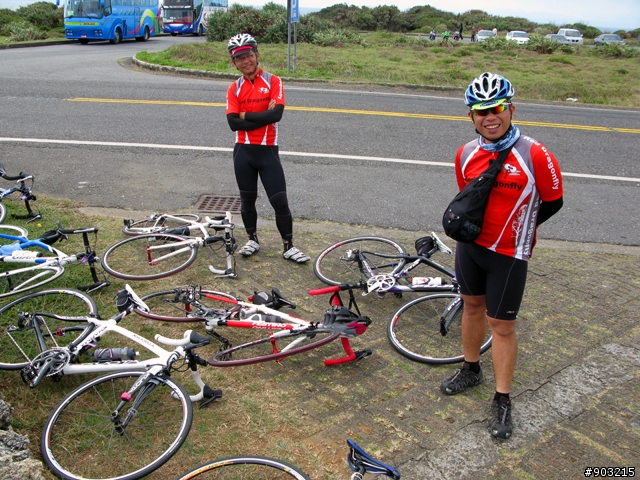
241 43
488 90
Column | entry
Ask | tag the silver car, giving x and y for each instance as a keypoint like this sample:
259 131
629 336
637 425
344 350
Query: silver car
558 38
607 38
482 35
518 36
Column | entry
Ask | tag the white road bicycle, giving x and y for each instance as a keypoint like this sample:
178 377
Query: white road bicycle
122 425
165 244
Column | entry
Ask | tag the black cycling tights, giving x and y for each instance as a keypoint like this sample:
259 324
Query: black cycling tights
249 161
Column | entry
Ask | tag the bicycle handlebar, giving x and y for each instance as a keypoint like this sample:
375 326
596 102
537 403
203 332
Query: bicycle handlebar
337 288
190 339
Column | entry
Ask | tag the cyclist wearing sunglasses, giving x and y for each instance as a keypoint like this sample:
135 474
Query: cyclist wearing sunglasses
255 103
492 270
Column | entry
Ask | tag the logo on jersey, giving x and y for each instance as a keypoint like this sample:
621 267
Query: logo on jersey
511 170
263 90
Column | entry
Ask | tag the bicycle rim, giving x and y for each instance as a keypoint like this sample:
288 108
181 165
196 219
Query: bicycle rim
3 212
262 350
171 306
18 318
245 468
11 230
415 330
79 439
149 257
333 267
157 225
21 280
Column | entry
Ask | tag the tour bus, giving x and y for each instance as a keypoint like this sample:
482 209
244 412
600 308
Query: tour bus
189 16
113 20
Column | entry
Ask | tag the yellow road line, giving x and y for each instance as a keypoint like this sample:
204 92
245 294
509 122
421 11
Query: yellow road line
366 112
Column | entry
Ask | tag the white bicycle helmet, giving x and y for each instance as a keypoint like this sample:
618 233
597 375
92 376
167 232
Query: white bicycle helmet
241 43
488 90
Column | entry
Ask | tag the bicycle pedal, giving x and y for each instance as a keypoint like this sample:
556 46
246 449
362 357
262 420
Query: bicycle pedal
209 396
362 354
27 374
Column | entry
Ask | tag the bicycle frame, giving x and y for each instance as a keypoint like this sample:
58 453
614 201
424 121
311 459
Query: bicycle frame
95 329
17 253
26 196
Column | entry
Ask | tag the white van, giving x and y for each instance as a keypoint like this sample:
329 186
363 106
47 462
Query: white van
574 36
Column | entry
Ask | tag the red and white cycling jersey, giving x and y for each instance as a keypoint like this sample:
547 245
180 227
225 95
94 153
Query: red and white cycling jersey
245 96
529 175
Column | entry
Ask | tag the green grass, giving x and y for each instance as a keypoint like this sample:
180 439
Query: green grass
576 72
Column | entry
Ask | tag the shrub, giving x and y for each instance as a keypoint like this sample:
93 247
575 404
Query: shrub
335 37
7 17
44 15
614 50
22 31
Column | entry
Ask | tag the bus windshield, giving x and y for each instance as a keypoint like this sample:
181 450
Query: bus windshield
83 8
177 15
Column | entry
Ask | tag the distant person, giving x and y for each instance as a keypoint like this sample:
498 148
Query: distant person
460 31
492 271
495 31
474 31
255 103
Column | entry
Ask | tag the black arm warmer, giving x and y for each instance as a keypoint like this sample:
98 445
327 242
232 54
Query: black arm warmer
266 116
548 210
254 120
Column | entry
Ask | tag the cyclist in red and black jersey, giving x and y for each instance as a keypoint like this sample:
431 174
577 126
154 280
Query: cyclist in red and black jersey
255 103
492 270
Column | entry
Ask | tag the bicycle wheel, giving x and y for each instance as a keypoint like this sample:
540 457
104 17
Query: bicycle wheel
3 212
245 468
340 263
415 330
11 230
22 319
173 305
20 280
262 350
80 439
149 257
159 223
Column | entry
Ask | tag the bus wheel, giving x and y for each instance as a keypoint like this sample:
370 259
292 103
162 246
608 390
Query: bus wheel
144 37
83 41
200 30
117 37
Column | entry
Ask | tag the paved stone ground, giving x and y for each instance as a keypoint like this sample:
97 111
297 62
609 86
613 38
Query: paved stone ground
576 388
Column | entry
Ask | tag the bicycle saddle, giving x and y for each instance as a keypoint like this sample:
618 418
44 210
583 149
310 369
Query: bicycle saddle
361 462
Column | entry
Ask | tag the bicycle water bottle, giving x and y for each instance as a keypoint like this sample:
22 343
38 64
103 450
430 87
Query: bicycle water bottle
113 354
428 281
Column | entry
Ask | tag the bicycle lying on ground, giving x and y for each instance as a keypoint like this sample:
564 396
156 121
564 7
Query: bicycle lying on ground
427 329
257 468
170 248
292 335
25 195
47 263
121 425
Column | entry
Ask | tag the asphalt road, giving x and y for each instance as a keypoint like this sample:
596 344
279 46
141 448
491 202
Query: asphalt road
94 129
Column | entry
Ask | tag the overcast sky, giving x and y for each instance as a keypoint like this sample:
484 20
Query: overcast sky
611 14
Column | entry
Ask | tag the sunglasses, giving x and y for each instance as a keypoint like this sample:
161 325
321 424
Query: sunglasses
494 110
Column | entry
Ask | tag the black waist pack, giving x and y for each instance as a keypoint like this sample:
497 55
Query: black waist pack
462 220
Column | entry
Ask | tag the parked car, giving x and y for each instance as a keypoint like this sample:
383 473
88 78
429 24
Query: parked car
482 35
573 35
518 36
607 38
558 38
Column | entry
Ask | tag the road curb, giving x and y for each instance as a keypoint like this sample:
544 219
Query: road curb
209 74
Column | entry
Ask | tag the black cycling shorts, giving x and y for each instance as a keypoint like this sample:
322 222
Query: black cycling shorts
500 278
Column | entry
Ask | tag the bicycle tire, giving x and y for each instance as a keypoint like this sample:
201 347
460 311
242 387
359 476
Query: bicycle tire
166 306
20 280
79 439
261 350
414 330
331 269
128 259
245 467
3 212
150 224
72 306
11 230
